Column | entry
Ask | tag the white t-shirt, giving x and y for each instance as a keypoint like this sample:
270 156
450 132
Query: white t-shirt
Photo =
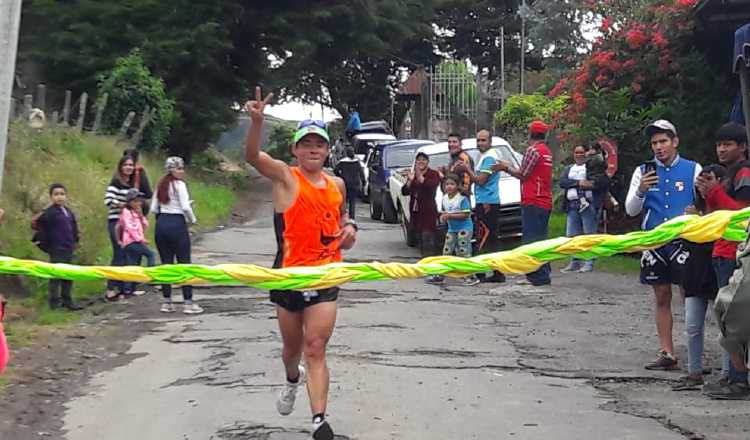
577 172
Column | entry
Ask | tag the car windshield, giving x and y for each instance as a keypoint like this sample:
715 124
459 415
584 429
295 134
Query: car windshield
399 158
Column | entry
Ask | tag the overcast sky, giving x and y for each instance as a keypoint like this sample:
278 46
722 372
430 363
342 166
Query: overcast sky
295 111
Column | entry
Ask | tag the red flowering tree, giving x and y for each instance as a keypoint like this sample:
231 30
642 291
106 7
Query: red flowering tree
644 66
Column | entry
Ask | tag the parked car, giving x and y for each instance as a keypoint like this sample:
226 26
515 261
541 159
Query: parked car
510 187
364 145
384 158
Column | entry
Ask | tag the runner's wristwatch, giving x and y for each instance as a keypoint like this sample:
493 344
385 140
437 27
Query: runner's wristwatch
353 224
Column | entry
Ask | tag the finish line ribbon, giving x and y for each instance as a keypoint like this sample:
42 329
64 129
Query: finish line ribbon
524 259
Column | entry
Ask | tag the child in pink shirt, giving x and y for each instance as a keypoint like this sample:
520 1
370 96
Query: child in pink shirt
130 231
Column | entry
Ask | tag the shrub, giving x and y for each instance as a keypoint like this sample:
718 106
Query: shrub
132 87
520 110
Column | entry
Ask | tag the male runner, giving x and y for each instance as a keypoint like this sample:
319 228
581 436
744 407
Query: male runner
312 226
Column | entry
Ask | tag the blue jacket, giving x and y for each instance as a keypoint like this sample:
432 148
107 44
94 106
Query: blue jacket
669 198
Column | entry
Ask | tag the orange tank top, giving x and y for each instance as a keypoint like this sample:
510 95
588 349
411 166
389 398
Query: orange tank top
308 227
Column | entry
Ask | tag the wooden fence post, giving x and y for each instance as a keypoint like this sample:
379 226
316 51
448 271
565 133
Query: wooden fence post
126 124
100 106
145 119
41 97
82 111
28 102
66 108
54 120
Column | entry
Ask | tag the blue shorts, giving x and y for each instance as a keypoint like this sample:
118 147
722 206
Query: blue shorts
664 265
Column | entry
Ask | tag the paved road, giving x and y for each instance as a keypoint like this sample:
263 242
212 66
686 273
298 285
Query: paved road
408 361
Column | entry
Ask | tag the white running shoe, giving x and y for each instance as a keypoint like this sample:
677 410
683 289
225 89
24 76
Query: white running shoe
167 308
321 430
192 309
139 292
285 403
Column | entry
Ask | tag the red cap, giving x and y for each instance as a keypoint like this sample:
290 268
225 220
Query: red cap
538 127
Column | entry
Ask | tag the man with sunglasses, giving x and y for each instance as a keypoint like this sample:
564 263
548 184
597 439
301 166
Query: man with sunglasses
312 227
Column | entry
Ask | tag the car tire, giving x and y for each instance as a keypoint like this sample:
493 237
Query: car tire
409 236
389 211
376 206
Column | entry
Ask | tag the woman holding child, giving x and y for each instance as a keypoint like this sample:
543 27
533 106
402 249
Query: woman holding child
583 184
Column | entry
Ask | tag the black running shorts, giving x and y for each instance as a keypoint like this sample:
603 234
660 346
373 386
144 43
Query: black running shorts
296 301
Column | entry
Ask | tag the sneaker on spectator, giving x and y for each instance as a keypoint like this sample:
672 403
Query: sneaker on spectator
495 277
167 308
573 266
716 385
588 266
728 391
435 279
471 280
192 309
688 383
665 361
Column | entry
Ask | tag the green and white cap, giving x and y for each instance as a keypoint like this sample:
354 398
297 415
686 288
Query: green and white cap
311 129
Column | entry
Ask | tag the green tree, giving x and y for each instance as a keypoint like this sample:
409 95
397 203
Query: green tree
205 51
335 52
131 87
520 110
280 142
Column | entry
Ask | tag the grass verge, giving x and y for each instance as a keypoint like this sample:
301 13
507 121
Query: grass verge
84 163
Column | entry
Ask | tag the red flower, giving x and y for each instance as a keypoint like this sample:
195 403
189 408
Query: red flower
636 87
686 3
579 101
659 40
636 38
606 25
559 87
628 65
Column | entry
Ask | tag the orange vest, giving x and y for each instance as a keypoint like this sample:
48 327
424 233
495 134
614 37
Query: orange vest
310 224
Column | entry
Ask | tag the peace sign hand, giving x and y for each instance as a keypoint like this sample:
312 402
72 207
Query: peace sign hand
256 107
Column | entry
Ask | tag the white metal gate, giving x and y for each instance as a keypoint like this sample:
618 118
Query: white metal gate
454 94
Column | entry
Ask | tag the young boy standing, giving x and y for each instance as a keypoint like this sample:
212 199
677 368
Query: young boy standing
457 213
57 235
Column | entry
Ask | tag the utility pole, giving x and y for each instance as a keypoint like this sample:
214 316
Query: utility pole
523 45
10 21
503 93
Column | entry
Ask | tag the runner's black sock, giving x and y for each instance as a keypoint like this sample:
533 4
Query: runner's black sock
317 418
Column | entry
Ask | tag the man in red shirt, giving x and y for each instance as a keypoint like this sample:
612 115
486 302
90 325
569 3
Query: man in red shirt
535 175
731 193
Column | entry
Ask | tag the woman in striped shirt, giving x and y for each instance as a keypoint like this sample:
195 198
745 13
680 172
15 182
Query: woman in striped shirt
114 198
